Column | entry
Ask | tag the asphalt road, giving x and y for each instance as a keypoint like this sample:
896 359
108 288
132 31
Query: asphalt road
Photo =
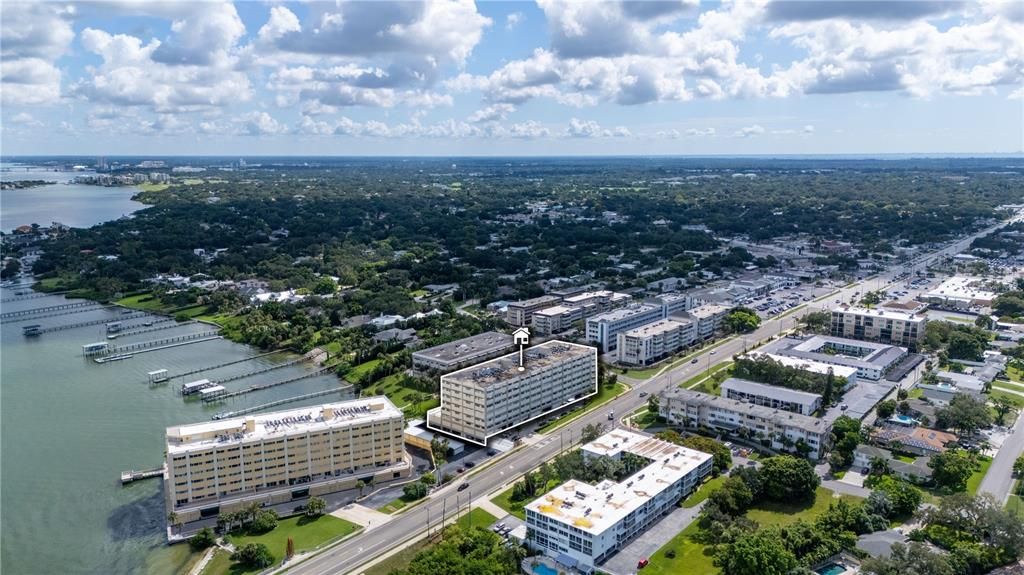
999 478
350 555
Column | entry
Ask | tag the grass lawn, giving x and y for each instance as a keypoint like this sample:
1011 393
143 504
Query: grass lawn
393 506
916 393
151 187
307 534
651 371
786 513
1014 374
709 386
904 458
357 371
191 312
143 301
975 479
692 558
1012 385
399 560
221 563
1017 400
476 518
604 395
704 491
504 500
413 402
54 284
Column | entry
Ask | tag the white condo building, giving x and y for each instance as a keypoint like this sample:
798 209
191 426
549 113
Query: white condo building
603 329
581 525
554 319
801 402
894 327
489 398
649 343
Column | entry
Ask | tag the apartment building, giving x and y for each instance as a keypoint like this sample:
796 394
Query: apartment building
871 360
580 525
801 402
520 313
219 466
489 398
603 329
709 318
889 326
649 343
673 303
786 431
602 300
554 319
462 352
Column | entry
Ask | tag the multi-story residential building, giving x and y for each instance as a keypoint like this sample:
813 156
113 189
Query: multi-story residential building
581 525
219 466
649 343
556 318
673 303
603 329
882 325
709 317
520 313
871 360
462 352
489 398
845 376
801 402
603 300
785 430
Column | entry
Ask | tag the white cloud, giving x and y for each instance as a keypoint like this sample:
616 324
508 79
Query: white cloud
512 20
25 119
32 37
591 129
749 131
808 129
492 113
260 124
129 76
697 132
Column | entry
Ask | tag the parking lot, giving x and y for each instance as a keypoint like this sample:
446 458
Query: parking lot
782 300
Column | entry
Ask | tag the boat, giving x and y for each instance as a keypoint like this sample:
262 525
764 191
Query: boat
112 336
118 357
147 323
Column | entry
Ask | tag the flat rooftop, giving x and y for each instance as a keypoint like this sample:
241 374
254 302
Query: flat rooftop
826 349
544 299
799 421
961 288
458 350
556 310
886 313
621 314
806 364
659 327
596 508
537 358
708 310
237 430
780 393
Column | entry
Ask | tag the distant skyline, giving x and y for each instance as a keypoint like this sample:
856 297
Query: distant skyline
452 77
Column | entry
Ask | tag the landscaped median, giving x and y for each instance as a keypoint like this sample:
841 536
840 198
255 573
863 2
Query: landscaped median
604 395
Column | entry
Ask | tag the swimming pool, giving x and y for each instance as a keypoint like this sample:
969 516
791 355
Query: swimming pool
831 569
542 569
904 419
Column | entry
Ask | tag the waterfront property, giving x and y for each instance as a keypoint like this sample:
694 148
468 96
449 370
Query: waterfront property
871 360
783 430
772 396
582 525
219 466
489 398
462 352
888 325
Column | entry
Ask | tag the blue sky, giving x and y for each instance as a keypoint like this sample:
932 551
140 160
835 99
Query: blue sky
454 77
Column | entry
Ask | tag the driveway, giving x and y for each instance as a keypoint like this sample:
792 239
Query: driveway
645 546
854 478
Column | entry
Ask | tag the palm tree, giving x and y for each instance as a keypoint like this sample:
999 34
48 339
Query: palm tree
174 520
360 485
879 466
252 510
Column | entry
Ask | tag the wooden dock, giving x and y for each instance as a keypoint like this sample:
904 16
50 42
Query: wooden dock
130 476
261 386
51 308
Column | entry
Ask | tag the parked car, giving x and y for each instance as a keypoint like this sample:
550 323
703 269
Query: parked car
461 470
491 452
642 563
470 464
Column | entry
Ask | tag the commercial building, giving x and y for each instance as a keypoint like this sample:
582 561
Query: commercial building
786 431
219 466
649 343
871 360
881 325
801 402
462 352
960 292
603 329
709 317
582 525
554 319
520 313
489 398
